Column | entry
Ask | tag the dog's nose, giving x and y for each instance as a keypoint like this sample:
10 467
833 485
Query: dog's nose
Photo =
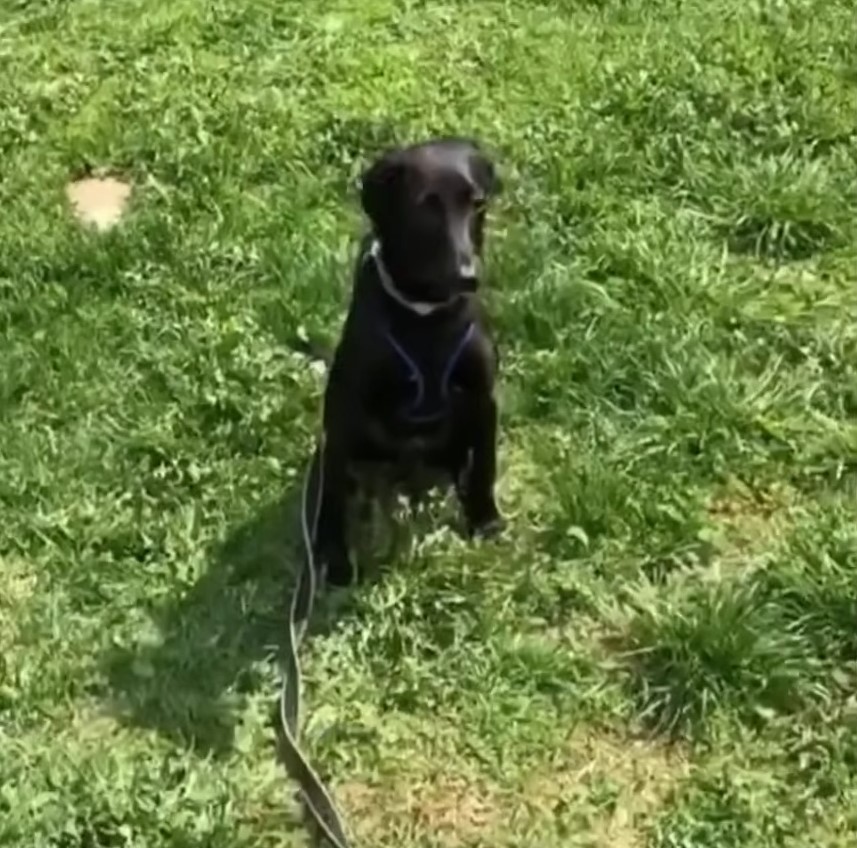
467 269
468 274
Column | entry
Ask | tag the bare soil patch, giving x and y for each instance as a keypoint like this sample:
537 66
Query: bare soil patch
99 201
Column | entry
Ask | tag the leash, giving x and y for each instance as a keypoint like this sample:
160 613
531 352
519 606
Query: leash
315 796
316 799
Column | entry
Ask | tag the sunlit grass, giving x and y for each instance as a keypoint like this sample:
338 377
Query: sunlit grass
660 653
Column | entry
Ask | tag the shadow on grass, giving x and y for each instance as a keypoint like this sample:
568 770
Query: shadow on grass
217 641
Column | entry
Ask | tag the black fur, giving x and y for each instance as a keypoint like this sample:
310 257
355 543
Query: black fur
426 204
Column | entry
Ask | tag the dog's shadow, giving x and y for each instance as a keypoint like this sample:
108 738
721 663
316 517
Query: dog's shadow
212 647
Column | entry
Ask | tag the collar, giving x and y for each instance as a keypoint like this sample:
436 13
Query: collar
419 307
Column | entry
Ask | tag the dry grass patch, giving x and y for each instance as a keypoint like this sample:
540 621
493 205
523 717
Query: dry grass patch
17 585
615 782
611 783
522 483
750 522
452 809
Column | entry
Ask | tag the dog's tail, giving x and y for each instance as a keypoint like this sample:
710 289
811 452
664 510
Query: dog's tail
321 351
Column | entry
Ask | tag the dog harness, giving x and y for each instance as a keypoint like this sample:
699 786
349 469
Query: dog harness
428 405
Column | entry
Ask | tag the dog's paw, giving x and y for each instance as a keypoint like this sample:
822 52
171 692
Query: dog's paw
339 569
488 527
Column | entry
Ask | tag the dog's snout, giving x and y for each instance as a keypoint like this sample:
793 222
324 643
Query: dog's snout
463 252
468 274
467 268
466 260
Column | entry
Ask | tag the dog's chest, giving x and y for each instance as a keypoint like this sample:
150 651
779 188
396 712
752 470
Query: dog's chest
419 391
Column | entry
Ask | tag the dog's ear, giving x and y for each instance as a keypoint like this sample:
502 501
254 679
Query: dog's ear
380 187
485 174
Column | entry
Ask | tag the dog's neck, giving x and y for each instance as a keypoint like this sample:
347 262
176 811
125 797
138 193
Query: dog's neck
418 307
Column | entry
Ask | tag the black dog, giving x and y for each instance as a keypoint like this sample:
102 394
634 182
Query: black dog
411 381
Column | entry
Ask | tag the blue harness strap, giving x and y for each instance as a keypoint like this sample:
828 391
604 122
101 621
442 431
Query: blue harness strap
415 411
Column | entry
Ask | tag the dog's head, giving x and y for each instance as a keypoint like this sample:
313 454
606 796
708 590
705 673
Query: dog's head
427 207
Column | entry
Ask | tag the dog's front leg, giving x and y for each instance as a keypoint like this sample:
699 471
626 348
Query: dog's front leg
331 542
480 506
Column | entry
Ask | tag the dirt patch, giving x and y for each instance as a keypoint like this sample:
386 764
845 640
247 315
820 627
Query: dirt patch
99 201
749 521
616 783
612 784
453 810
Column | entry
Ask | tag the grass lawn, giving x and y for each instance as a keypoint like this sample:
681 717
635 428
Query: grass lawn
661 652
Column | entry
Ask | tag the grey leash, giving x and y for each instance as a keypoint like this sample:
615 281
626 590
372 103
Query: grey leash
317 801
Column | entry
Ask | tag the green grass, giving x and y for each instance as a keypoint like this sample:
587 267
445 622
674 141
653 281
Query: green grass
661 653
